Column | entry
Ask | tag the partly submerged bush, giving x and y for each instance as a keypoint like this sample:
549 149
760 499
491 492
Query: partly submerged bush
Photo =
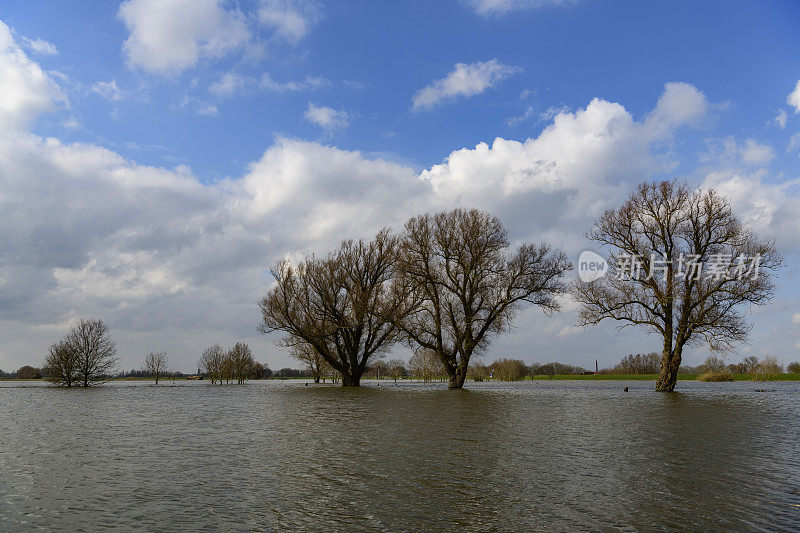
716 375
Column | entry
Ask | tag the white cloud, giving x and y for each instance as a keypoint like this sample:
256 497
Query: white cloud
166 37
309 83
327 118
175 264
756 153
40 46
513 121
229 84
501 7
208 110
25 88
464 80
794 143
108 90
794 98
728 152
290 19
796 318
780 119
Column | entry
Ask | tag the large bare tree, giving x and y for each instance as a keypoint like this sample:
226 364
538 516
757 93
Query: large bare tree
341 305
681 265
84 357
462 284
155 364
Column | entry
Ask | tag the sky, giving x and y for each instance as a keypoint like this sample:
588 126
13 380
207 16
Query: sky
157 157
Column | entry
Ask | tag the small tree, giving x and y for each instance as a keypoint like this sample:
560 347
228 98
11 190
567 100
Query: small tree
714 364
463 285
29 372
85 356
155 364
681 266
508 369
425 365
395 369
793 368
240 362
309 356
212 362
750 364
770 365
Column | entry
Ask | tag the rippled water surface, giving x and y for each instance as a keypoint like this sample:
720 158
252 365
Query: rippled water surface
526 456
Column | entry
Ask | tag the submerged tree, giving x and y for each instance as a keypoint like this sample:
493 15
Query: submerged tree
61 364
308 355
240 363
462 285
342 305
85 356
97 352
155 364
682 266
212 362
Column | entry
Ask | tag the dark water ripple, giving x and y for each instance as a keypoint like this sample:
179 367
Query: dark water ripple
274 456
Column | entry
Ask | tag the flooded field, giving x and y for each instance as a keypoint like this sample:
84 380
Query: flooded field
384 457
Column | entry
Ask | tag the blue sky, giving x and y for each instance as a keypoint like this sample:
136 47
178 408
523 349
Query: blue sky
200 141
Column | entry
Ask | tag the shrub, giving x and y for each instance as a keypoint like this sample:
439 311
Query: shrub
718 375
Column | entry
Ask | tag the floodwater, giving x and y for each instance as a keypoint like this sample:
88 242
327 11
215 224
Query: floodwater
274 456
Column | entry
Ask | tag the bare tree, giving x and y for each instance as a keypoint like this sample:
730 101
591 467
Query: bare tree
240 362
155 364
750 364
661 240
396 369
61 364
426 365
463 286
341 305
308 355
94 349
211 363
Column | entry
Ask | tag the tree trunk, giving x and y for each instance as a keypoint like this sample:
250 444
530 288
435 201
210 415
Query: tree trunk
668 375
316 379
457 379
350 381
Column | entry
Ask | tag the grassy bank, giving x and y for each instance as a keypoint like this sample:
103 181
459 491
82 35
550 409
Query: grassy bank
653 377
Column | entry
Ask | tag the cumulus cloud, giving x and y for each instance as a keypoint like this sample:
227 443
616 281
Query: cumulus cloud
464 80
290 19
794 98
175 264
25 88
168 37
327 118
501 7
